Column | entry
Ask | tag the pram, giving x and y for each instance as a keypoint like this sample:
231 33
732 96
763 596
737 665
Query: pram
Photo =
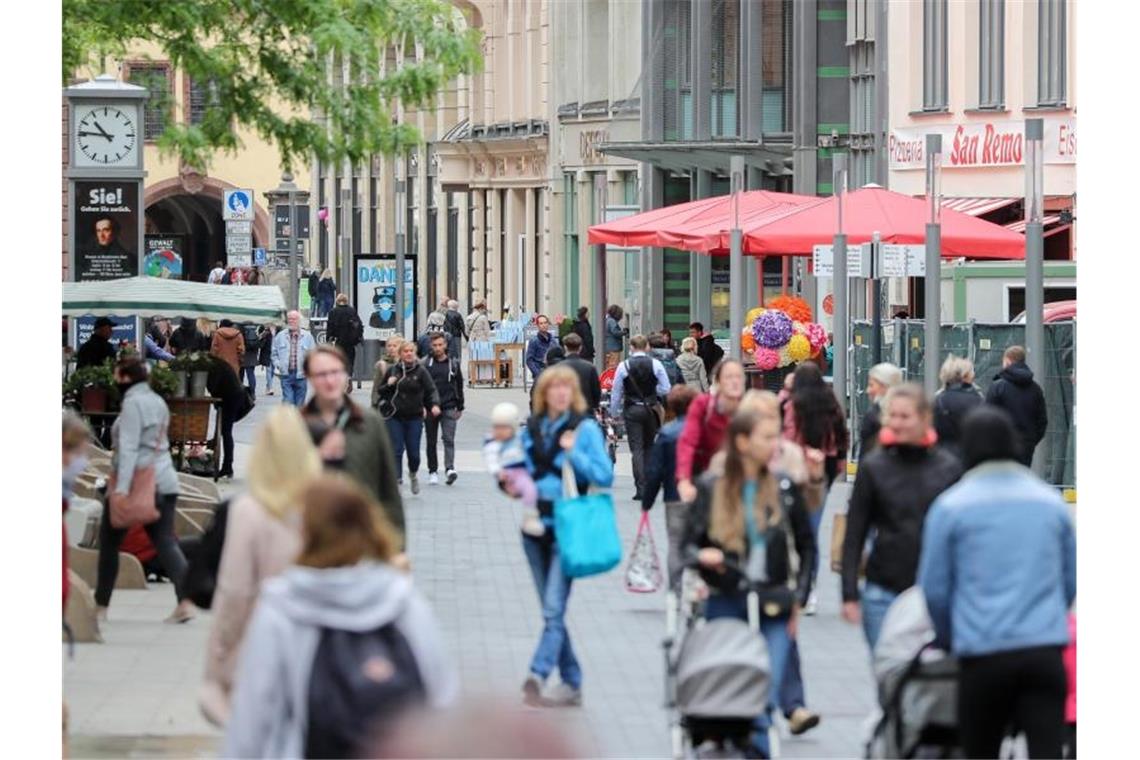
716 675
918 686
613 427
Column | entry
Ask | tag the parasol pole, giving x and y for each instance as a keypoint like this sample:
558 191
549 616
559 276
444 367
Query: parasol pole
736 263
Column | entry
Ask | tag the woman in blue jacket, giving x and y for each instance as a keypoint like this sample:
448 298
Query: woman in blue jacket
559 428
998 569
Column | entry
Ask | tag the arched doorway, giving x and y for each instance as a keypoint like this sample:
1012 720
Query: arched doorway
192 212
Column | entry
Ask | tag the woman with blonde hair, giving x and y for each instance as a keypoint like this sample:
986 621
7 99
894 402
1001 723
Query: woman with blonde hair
262 539
692 366
739 531
559 431
341 642
391 357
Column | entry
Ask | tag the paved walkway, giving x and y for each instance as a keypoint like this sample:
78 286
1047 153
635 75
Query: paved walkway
134 695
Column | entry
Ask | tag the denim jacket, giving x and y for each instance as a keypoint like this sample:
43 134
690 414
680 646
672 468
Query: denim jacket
140 438
588 457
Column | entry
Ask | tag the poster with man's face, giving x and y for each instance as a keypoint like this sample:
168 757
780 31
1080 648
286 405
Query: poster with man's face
106 223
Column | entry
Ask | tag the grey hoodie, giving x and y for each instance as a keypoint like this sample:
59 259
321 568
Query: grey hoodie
270 700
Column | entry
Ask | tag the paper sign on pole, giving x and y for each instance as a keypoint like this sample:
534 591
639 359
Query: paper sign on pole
892 260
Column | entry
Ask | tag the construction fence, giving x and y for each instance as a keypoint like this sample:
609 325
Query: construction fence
904 344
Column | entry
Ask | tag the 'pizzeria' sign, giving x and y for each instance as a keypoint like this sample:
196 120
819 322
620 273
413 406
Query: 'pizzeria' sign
982 143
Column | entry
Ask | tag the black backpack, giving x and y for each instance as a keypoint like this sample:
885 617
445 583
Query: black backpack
359 683
355 330
202 569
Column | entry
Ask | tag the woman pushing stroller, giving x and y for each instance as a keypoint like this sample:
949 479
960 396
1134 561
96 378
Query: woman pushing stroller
738 533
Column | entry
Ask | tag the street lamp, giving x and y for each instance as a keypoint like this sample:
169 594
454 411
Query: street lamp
839 280
1034 247
933 278
288 193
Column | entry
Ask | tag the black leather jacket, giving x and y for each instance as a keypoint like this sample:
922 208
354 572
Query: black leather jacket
777 552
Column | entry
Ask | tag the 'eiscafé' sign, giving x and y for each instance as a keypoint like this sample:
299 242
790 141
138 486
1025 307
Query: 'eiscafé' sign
982 143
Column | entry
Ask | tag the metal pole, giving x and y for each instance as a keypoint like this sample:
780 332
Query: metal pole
294 264
400 210
599 285
876 307
839 282
736 262
1035 255
933 279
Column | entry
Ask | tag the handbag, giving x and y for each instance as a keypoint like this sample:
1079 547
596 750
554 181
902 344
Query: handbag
136 507
643 574
586 529
202 567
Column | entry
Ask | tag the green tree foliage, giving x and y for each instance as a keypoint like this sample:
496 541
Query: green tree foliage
268 63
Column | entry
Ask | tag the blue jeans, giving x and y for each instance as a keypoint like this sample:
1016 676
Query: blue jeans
293 390
554 649
775 632
268 379
250 378
406 434
791 693
876 601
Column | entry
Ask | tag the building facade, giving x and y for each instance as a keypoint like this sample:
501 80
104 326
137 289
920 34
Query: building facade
974 71
763 79
184 203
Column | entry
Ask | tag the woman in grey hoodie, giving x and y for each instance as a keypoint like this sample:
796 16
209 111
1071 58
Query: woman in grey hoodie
341 582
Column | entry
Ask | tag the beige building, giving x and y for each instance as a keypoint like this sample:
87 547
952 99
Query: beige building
181 201
974 71
595 91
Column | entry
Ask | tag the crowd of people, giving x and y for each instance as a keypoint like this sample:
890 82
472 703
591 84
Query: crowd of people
319 638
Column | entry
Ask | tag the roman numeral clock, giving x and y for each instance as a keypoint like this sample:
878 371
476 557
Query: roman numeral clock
105 175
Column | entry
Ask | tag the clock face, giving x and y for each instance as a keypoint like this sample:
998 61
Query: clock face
105 135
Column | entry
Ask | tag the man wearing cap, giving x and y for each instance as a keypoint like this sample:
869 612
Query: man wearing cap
98 347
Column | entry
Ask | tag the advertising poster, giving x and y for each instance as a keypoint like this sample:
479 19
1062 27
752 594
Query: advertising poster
376 295
106 229
122 334
163 257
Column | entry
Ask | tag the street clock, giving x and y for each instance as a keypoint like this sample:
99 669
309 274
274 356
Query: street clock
106 134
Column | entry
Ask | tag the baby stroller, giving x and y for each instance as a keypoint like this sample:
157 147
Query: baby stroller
613 427
918 686
716 676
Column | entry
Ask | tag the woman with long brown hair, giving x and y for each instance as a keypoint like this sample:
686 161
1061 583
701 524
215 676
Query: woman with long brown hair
344 610
738 533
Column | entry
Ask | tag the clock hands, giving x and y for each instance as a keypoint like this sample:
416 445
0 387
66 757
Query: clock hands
97 134
103 131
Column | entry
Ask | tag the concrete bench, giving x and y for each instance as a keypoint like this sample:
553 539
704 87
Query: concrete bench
85 563
80 612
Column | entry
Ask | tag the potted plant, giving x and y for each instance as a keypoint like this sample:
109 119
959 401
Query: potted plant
166 382
93 389
197 365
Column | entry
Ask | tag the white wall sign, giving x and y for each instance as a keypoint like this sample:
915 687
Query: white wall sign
982 143
823 265
239 244
902 260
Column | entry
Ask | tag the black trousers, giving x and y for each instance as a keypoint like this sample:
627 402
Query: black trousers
641 426
1023 689
226 418
161 533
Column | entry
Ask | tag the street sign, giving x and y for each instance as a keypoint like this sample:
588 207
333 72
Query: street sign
892 260
239 244
239 228
259 257
823 264
239 260
237 205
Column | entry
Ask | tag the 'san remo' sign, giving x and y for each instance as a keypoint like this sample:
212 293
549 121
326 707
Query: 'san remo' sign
237 205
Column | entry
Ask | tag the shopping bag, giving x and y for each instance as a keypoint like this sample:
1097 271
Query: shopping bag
586 530
643 574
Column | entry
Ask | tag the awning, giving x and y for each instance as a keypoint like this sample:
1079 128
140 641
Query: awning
977 206
154 296
710 155
1019 226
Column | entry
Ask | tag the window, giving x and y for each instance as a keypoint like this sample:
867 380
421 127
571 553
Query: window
201 96
1051 53
934 80
570 196
156 78
991 54
725 39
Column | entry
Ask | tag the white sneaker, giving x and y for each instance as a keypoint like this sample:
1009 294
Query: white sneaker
433 479
415 484
451 476
810 607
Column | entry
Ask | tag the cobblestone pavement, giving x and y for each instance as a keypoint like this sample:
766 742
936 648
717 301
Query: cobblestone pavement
134 695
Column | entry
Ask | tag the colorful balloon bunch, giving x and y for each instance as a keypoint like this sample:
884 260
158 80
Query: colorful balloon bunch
776 339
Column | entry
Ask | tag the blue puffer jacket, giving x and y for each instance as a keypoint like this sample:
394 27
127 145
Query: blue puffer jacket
999 562
588 457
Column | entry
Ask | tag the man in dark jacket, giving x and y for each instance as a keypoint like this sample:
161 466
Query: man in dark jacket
250 357
223 383
187 338
587 372
448 378
707 348
345 329
98 347
455 323
1015 391
538 346
585 331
